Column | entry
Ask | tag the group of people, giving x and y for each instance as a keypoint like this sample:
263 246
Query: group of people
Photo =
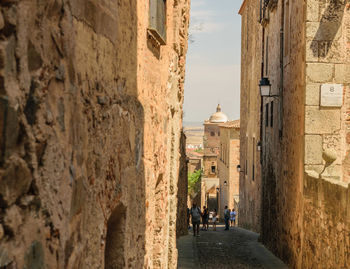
196 215
229 217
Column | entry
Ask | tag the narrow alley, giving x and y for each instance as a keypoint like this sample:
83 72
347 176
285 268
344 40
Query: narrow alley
237 248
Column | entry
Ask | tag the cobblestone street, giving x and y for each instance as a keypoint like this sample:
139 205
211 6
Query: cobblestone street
237 248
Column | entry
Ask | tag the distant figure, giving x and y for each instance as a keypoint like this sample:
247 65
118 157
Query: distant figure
227 218
233 217
188 218
214 219
205 219
196 218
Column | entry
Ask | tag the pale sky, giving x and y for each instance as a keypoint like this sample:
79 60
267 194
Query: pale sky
213 59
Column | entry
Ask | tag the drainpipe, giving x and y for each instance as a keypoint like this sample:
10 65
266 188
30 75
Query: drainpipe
282 72
262 75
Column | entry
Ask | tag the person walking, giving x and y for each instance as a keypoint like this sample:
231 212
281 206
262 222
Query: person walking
205 218
214 219
227 218
233 218
195 213
188 219
233 215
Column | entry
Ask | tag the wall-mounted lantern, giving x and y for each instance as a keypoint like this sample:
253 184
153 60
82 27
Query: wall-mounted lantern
225 183
239 170
258 146
265 87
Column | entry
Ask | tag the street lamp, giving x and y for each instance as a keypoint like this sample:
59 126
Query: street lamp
239 169
217 189
265 87
258 146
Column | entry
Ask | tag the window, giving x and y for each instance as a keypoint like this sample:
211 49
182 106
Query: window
253 162
271 115
157 20
286 30
212 133
219 133
213 169
267 115
267 57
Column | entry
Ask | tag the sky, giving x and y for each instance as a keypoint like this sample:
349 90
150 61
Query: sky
213 60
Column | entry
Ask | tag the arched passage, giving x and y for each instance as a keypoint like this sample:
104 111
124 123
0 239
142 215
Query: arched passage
114 251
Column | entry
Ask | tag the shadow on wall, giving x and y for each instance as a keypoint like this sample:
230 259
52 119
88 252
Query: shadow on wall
329 26
126 225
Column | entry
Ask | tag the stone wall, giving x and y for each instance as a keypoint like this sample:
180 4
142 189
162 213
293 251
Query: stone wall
250 190
326 224
90 118
182 191
301 136
227 165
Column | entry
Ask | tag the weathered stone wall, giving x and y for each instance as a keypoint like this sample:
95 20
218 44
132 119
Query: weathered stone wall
299 135
227 164
182 191
327 61
250 190
326 224
194 164
283 129
90 120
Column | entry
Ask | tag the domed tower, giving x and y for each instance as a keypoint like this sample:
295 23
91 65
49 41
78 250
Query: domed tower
211 141
212 131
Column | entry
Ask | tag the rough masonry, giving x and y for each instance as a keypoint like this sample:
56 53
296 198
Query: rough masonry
304 50
90 121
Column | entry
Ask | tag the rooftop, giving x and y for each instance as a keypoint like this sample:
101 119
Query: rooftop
231 124
218 116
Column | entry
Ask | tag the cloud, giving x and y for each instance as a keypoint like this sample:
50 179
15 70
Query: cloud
197 3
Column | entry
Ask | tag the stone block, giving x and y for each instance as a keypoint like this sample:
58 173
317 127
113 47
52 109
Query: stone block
312 51
312 10
313 149
4 258
319 72
16 180
342 73
321 121
78 197
333 142
321 31
312 94
34 258
9 128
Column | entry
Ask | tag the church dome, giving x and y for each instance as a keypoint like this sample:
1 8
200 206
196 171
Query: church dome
218 117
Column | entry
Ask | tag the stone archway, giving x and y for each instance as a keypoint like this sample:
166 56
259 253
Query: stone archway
114 251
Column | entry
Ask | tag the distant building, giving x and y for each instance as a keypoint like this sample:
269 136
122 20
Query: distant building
194 161
210 179
227 166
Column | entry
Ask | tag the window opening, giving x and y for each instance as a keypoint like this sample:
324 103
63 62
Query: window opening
267 115
271 116
157 20
114 251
